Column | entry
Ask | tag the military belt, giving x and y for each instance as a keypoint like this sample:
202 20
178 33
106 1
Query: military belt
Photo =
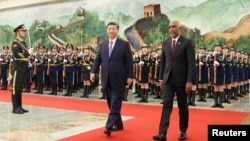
22 59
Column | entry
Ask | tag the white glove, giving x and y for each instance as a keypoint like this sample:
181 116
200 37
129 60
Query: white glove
141 62
49 60
200 63
11 60
65 61
88 68
9 77
156 62
36 60
30 50
30 65
216 63
1 59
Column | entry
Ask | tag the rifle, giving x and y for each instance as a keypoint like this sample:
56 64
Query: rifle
215 69
48 67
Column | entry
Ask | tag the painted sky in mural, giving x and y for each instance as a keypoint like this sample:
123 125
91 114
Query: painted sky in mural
49 12
206 15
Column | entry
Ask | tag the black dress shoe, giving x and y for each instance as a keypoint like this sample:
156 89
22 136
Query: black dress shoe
24 110
183 136
160 137
117 128
17 111
107 132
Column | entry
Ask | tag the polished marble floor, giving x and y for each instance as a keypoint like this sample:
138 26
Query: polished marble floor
50 124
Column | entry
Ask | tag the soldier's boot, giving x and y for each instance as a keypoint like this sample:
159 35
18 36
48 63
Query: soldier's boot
55 89
209 91
200 94
87 91
248 87
28 89
41 89
16 108
60 87
38 88
139 92
136 89
234 96
220 100
193 98
239 91
226 96
73 88
229 93
84 91
125 97
157 92
203 95
142 95
244 89
152 89
67 91
70 90
215 100
52 90
103 94
146 95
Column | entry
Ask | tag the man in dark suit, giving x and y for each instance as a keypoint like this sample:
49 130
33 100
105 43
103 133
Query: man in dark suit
115 58
20 65
176 72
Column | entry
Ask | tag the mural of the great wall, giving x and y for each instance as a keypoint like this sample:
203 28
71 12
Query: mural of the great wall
83 22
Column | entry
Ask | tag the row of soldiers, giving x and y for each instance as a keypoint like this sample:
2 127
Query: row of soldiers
221 73
54 69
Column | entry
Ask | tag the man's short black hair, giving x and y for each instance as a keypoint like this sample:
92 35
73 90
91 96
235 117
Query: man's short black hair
113 23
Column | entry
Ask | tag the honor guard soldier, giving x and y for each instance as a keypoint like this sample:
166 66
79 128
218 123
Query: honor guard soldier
4 66
218 75
156 73
86 67
245 91
47 82
39 68
77 69
144 69
202 74
152 72
136 60
60 69
69 69
228 74
191 96
20 65
210 88
235 72
241 73
52 69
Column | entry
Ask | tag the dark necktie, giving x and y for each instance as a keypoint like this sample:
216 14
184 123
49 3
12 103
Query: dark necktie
110 48
173 46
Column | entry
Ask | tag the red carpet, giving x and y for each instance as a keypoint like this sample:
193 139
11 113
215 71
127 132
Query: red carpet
143 126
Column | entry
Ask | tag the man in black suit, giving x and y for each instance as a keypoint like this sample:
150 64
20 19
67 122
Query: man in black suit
21 55
176 72
115 58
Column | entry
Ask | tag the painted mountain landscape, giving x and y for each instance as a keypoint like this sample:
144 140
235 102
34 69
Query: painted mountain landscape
83 22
